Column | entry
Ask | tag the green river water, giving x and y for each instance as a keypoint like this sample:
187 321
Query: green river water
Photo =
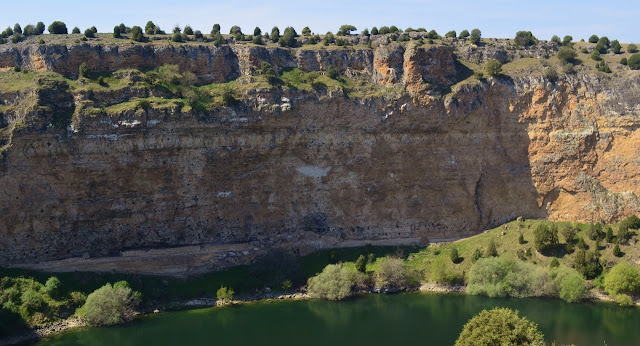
403 319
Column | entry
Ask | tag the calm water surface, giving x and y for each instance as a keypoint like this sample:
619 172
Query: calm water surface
411 319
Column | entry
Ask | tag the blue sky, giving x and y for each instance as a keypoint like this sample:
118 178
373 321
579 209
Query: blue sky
495 18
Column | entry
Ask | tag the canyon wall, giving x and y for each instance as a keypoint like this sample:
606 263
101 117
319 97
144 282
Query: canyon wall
321 170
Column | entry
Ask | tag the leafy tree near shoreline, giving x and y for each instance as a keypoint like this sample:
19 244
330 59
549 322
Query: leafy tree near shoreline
333 283
110 305
225 294
499 326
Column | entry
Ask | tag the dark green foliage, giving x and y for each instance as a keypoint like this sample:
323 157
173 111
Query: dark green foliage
332 72
566 54
509 277
601 48
89 33
257 39
94 29
384 30
340 42
581 244
616 251
225 294
594 231
623 61
492 249
177 30
40 28
475 36
616 46
361 264
83 70
609 234
7 32
17 28
567 41
556 39
53 287
136 34
603 67
569 234
493 68
177 37
568 69
16 38
393 29
346 30
464 34
593 39
551 74
218 39
228 97
257 31
215 29
521 239
604 42
450 34
124 29
454 255
116 32
365 32
83 39
545 238
477 254
371 258
306 31
29 30
328 38
595 55
275 34
41 41
433 35
524 39
587 263
634 62
554 263
235 30
267 70
16 68
188 30
632 48
75 30
499 326
198 35
374 31
288 39
149 28
404 38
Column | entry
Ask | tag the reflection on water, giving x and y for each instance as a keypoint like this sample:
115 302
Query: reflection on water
435 319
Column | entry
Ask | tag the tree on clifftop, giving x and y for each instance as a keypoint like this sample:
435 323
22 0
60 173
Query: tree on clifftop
475 37
136 34
346 30
524 39
215 30
275 34
493 68
464 34
57 28
150 28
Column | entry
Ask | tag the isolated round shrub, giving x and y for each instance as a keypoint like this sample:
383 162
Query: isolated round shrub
110 305
333 283
499 326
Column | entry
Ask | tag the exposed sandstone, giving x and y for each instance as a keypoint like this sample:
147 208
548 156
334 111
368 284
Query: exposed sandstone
225 186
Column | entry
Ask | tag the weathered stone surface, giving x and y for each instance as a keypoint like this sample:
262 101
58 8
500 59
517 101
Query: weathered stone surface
229 185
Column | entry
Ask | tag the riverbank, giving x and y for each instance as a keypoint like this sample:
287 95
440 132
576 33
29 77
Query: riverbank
71 323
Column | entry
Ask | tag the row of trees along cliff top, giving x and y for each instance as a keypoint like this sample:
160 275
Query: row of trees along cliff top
523 39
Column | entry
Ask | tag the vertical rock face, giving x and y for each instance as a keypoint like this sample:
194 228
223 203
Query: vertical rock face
323 171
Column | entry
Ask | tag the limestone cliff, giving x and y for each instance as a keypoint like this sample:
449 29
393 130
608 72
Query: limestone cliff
440 160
